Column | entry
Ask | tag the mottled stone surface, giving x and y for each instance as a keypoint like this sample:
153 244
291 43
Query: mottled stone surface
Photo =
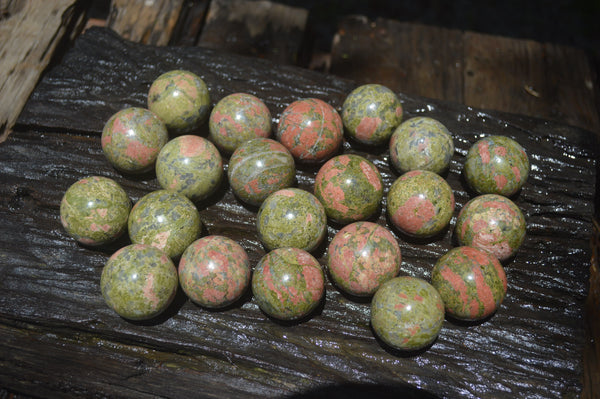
181 99
471 282
190 165
94 210
132 139
291 218
166 220
311 130
492 222
362 256
370 114
496 165
407 313
258 168
288 283
421 143
237 118
420 203
214 271
139 282
349 187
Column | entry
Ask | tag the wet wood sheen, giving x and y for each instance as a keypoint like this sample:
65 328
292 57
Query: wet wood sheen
58 337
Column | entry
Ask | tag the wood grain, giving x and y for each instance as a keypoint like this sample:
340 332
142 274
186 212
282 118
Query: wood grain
49 291
39 27
260 28
519 76
147 22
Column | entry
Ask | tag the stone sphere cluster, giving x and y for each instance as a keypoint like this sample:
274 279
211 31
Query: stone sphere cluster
364 258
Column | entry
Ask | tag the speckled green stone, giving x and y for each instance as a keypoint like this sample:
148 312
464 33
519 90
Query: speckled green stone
349 187
370 114
237 118
291 218
214 271
362 256
181 99
407 313
288 283
471 282
496 165
491 222
94 210
166 220
421 143
420 203
132 139
139 282
190 165
258 168
311 130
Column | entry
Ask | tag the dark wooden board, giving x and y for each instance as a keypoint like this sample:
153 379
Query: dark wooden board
54 323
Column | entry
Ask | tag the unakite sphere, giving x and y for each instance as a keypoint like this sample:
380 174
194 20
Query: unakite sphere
370 114
291 218
471 282
190 165
258 168
311 130
349 187
496 165
362 256
288 283
214 271
421 143
132 139
492 222
165 219
94 210
420 203
237 118
181 99
139 282
407 313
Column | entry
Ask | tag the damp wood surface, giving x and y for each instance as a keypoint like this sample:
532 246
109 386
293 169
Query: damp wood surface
57 336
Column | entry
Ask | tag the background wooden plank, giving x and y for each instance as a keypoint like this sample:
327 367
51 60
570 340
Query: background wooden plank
39 27
260 28
544 80
531 347
409 58
147 22
527 77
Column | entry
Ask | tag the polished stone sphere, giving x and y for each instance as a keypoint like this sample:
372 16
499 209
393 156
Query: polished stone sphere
407 313
139 282
237 118
288 283
362 256
496 165
190 165
132 139
214 271
370 114
94 210
165 219
471 282
181 99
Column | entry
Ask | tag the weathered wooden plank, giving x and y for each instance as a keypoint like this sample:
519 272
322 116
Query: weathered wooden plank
410 58
259 28
538 79
49 288
190 24
29 34
143 21
518 76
